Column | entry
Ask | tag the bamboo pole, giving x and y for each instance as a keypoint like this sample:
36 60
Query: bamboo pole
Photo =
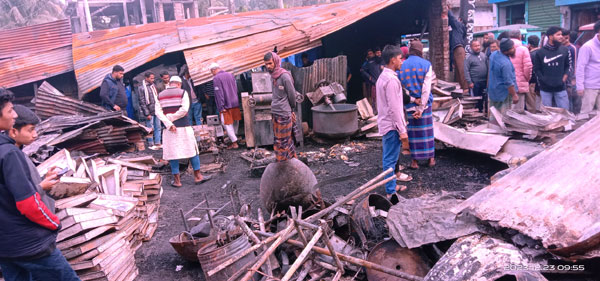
254 239
351 259
330 247
300 259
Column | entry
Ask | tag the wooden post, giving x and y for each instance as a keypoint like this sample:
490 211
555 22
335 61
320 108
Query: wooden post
300 259
161 12
195 12
144 12
125 14
331 249
281 6
88 17
248 122
81 16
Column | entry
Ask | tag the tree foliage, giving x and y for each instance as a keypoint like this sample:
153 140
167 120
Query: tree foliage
19 13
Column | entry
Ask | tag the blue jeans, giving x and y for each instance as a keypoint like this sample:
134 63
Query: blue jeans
391 152
50 268
175 164
195 113
155 124
561 99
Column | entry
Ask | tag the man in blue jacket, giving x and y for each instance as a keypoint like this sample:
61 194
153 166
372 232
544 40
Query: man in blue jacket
28 233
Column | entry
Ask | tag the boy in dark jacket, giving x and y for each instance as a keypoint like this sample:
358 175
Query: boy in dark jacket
112 90
551 66
29 229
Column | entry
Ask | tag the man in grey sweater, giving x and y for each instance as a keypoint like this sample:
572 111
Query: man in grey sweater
282 108
476 71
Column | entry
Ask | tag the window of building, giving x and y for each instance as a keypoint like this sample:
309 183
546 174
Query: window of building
512 14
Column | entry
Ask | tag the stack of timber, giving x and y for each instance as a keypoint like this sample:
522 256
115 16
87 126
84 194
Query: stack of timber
451 105
107 132
108 208
50 102
368 120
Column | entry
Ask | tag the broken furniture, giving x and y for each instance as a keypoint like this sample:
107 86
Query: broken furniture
256 108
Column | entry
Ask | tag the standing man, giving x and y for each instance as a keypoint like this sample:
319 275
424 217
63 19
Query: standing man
179 141
163 82
533 101
195 113
552 69
306 62
416 76
208 90
494 46
371 70
574 98
367 79
226 98
146 96
29 228
487 40
390 119
476 71
458 41
112 90
588 67
502 86
282 107
523 66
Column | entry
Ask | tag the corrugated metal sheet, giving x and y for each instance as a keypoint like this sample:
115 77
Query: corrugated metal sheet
553 197
34 39
35 66
237 42
35 52
543 13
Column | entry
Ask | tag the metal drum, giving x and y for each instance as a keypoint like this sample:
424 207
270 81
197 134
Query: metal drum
341 123
211 256
287 183
391 255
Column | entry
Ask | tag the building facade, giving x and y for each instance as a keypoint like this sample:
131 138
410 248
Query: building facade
541 13
576 13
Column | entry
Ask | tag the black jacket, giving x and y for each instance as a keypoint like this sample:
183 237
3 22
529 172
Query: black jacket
371 70
146 106
21 236
550 66
184 85
112 92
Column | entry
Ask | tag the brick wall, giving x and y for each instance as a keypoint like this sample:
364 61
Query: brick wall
439 37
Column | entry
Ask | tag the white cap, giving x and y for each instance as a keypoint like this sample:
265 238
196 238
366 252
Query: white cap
213 65
175 79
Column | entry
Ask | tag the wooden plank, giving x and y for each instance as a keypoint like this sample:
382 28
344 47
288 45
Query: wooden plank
70 186
97 214
61 160
72 211
364 109
483 143
79 227
368 127
84 237
248 121
88 246
137 166
148 160
76 201
498 117
86 264
120 206
108 243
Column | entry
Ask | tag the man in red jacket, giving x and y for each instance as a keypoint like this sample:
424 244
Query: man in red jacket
27 228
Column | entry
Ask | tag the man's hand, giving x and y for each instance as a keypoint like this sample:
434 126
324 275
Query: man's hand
50 180
403 136
417 114
471 85
580 93
205 95
173 128
117 108
565 78
149 117
418 100
515 99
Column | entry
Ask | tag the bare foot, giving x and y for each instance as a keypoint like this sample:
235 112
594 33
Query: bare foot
431 162
414 165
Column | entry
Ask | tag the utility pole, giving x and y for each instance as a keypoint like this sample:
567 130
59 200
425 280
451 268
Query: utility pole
467 13
281 6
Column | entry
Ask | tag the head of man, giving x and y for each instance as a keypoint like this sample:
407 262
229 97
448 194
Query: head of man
597 28
488 37
23 131
514 34
476 47
566 34
214 68
507 47
554 34
175 82
415 48
165 77
7 112
392 57
533 42
494 46
269 62
378 52
149 77
503 35
370 54
305 60
118 72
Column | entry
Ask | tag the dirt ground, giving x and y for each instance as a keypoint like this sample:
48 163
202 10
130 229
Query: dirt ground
455 170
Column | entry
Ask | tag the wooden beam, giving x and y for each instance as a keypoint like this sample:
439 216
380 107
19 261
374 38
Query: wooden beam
125 14
143 10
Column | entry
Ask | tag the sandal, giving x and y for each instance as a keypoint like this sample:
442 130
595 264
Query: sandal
204 179
403 177
176 185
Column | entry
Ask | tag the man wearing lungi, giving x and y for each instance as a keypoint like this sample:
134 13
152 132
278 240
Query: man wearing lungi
282 108
416 75
390 119
227 101
179 141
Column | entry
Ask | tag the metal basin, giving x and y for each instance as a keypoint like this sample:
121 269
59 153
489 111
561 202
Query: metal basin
212 255
187 248
391 255
341 123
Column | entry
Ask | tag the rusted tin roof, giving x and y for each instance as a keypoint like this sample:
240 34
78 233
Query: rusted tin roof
237 41
553 197
34 53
